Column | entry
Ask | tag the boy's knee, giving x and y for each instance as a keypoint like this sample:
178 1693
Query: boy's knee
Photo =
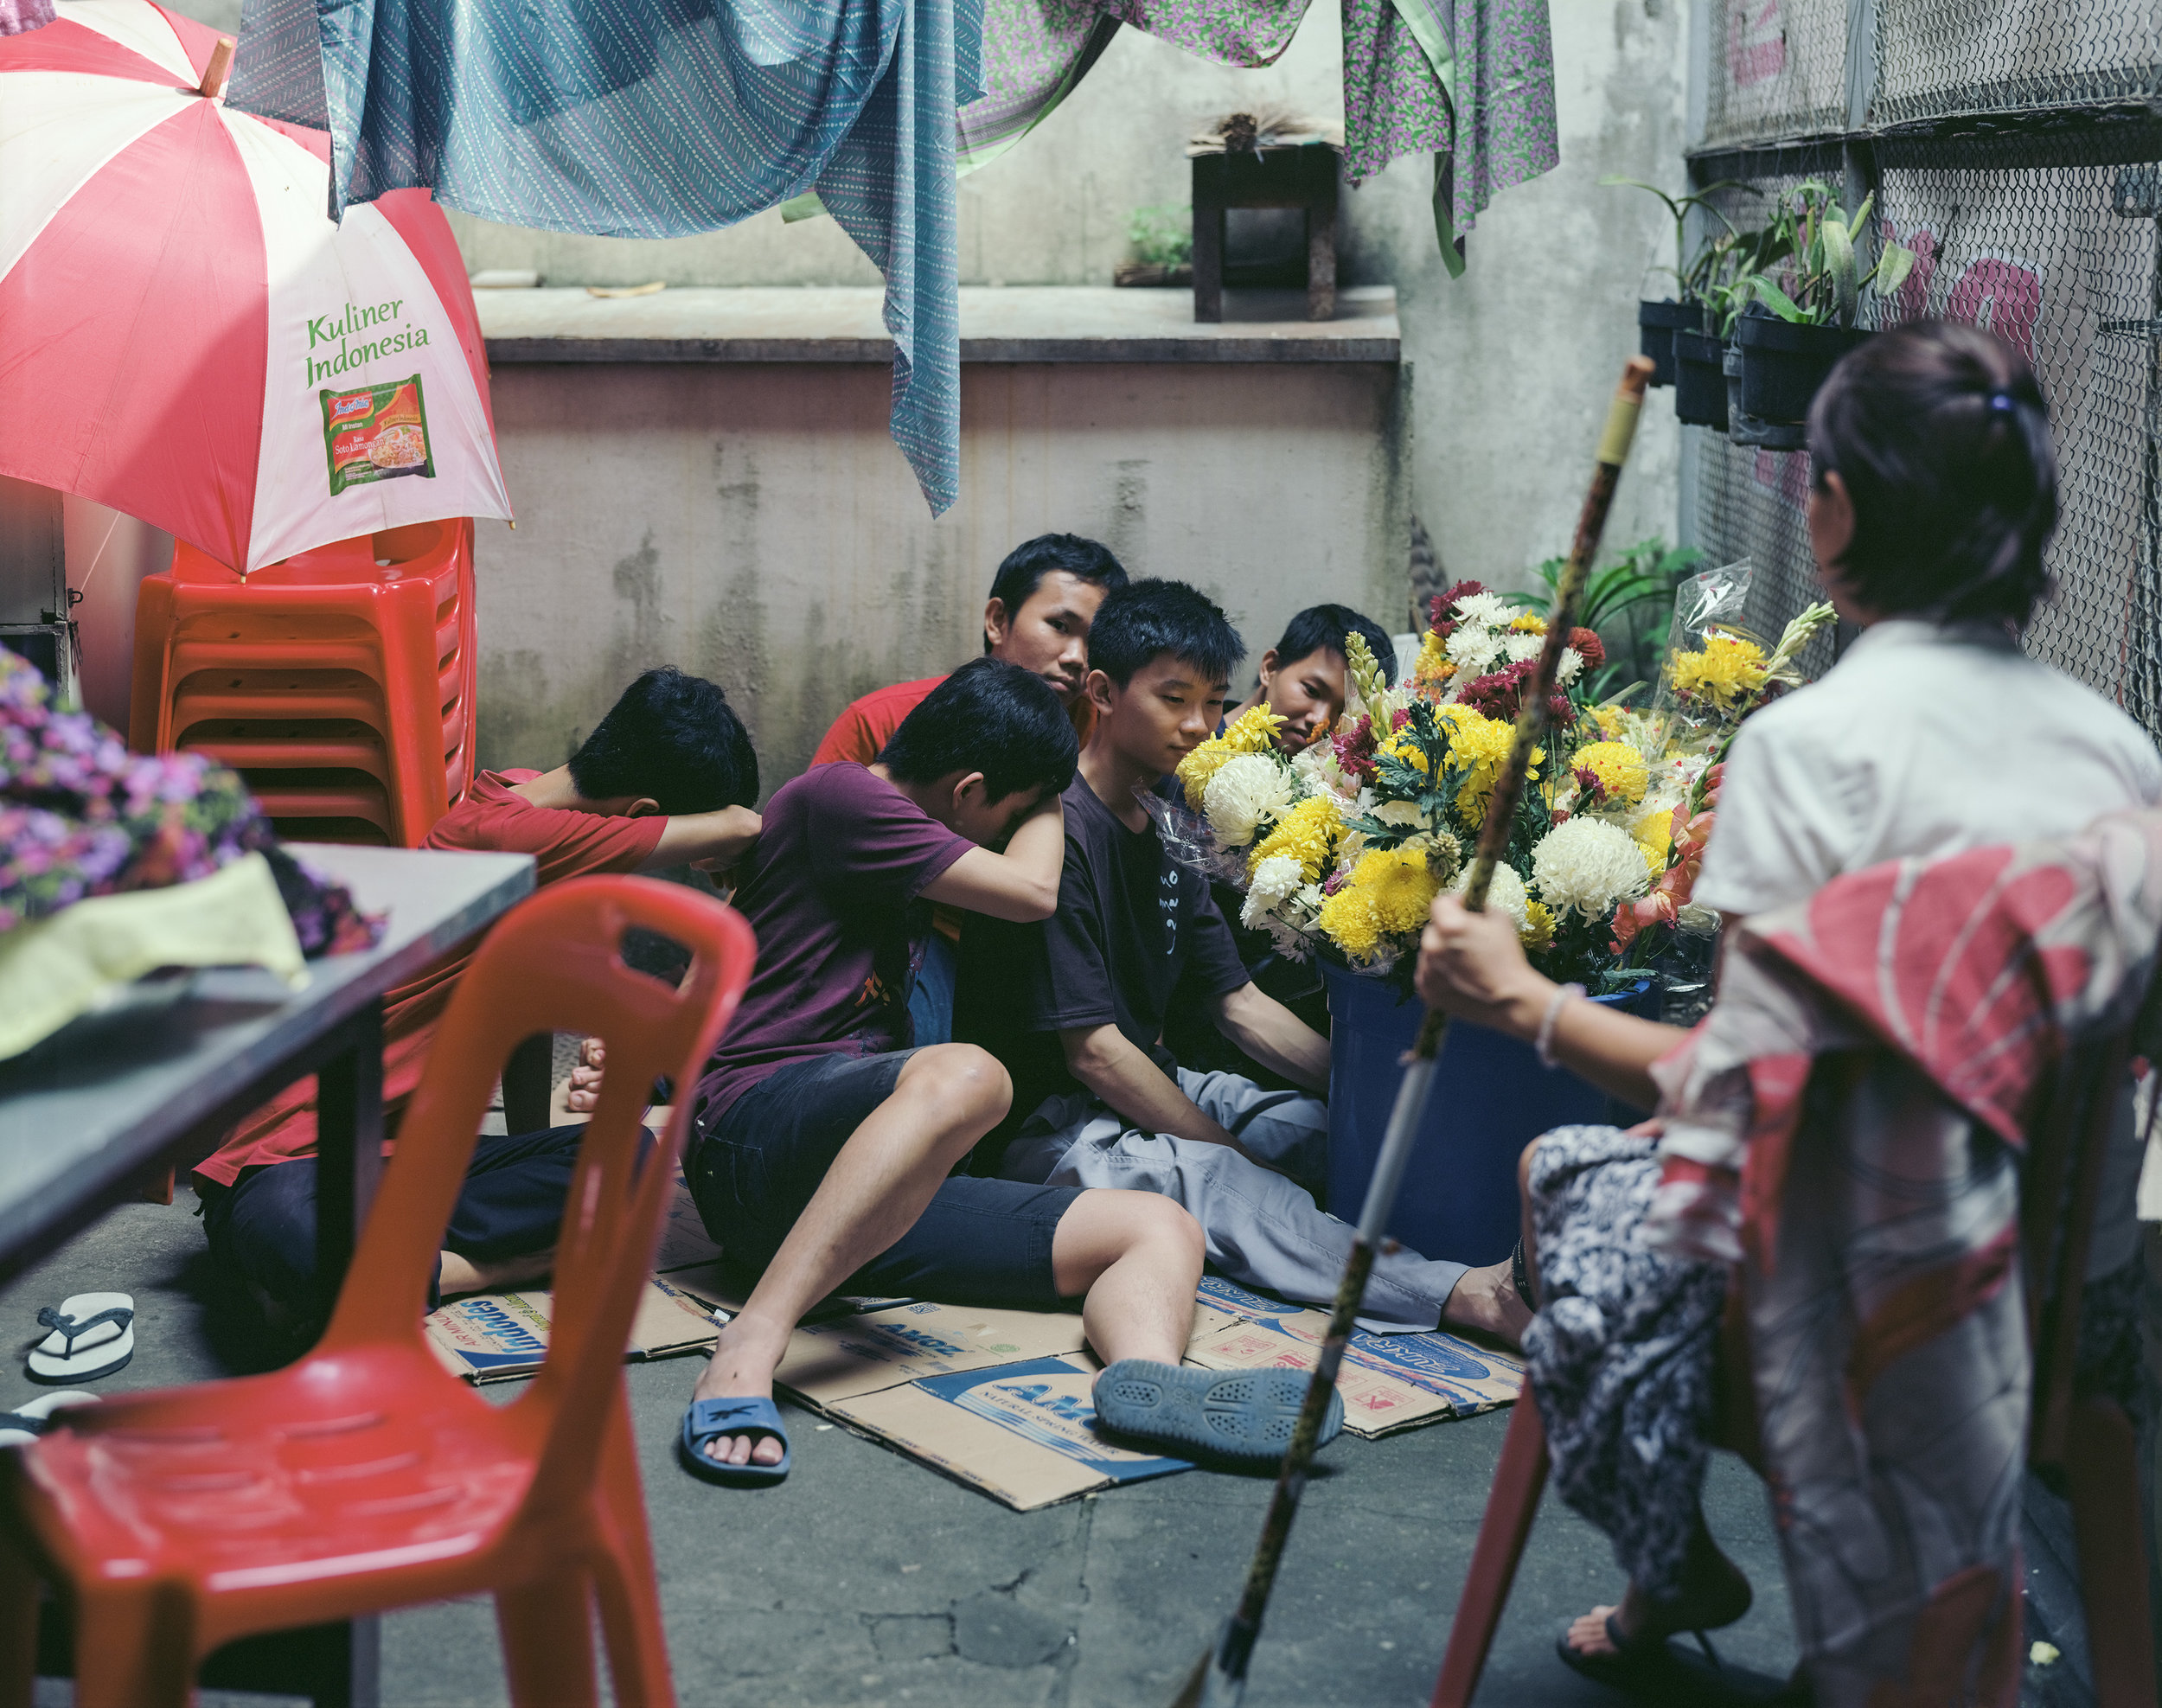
1164 1226
965 1079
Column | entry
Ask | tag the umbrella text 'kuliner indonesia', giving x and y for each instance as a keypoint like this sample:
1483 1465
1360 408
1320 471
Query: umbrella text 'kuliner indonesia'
186 337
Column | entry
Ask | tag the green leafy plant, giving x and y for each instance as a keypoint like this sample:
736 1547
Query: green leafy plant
1162 236
1627 604
1715 256
1822 281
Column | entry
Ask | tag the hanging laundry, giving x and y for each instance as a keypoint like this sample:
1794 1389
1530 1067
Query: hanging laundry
662 119
1468 81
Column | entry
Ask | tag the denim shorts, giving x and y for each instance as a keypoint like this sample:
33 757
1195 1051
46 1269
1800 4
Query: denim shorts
978 1242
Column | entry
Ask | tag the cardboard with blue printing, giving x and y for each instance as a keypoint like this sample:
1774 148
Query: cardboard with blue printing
1023 1433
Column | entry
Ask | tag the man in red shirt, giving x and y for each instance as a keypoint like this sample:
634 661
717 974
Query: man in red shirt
666 779
1043 600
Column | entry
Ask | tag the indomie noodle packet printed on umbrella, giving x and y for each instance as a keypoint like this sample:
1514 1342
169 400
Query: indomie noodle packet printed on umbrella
373 432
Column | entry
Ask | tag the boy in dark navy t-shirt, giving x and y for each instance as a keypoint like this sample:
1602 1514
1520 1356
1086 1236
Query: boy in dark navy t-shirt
1075 1007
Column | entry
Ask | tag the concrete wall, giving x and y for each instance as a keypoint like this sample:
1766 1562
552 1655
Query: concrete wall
758 524
1515 360
754 523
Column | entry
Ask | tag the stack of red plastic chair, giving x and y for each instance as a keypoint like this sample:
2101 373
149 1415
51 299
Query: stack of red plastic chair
339 683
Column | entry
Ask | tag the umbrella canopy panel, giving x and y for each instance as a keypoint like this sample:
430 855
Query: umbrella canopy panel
186 337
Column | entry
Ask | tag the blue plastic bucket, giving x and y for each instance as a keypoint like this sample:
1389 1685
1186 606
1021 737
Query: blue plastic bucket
1491 1098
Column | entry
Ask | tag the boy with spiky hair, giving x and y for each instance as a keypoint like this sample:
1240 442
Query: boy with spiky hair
1074 1006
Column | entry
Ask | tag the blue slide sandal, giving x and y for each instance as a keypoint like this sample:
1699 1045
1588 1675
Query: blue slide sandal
707 1418
1246 1416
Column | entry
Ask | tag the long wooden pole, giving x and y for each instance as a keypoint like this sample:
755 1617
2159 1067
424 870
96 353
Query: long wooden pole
1219 1679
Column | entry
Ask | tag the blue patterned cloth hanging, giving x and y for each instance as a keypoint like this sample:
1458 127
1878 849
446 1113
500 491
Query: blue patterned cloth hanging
659 118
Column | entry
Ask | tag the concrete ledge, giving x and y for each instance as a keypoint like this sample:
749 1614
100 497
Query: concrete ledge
1011 324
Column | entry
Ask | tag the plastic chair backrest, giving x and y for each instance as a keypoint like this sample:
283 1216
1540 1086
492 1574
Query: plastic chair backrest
554 964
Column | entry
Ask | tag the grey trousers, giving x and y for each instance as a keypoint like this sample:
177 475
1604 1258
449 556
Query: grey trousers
1261 1229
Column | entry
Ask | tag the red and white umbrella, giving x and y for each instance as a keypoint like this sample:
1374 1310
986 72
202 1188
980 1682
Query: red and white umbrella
186 337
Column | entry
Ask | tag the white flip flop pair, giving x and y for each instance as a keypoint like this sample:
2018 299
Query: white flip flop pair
92 1335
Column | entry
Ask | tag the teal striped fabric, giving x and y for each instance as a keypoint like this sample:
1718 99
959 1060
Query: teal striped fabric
659 118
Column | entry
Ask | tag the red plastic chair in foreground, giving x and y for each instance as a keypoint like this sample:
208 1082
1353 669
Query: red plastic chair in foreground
366 1476
339 683
2083 1433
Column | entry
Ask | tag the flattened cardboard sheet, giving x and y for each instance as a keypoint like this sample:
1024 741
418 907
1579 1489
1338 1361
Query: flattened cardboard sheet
1023 1433
493 1337
828 1362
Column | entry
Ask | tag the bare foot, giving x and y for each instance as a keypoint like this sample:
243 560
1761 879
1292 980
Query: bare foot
742 1368
464 1275
1714 1594
1487 1300
583 1096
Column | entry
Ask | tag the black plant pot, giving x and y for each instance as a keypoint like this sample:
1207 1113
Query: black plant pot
1745 428
1701 387
1656 323
1783 364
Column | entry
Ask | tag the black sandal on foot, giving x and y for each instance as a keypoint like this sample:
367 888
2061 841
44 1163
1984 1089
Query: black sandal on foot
1521 1278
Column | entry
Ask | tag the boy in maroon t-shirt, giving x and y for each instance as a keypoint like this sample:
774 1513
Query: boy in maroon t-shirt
826 1144
667 779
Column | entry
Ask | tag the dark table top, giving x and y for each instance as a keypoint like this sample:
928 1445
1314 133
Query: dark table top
112 1093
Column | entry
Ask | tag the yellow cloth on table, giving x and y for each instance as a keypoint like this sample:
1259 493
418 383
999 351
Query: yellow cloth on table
53 970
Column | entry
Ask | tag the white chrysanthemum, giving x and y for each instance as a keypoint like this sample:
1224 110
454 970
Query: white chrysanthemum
1474 650
1590 865
1571 667
1291 944
1275 878
1517 649
1487 610
1247 789
1400 812
1507 894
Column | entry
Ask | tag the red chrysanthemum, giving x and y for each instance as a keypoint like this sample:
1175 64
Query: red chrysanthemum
1587 641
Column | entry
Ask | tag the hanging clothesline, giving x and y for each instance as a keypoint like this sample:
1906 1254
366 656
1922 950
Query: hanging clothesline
670 118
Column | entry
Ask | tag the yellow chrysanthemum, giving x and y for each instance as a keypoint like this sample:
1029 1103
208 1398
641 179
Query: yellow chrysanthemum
1253 731
1402 746
1390 890
1623 775
1654 838
1481 744
1309 833
1728 671
1531 622
1538 925
1613 722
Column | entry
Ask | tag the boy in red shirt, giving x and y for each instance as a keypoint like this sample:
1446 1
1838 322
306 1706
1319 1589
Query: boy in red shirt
666 779
1042 601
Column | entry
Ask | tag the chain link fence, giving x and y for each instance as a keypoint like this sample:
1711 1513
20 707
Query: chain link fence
2013 146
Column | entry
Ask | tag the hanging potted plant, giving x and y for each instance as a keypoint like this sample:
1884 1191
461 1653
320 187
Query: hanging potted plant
1801 317
1701 381
1659 320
